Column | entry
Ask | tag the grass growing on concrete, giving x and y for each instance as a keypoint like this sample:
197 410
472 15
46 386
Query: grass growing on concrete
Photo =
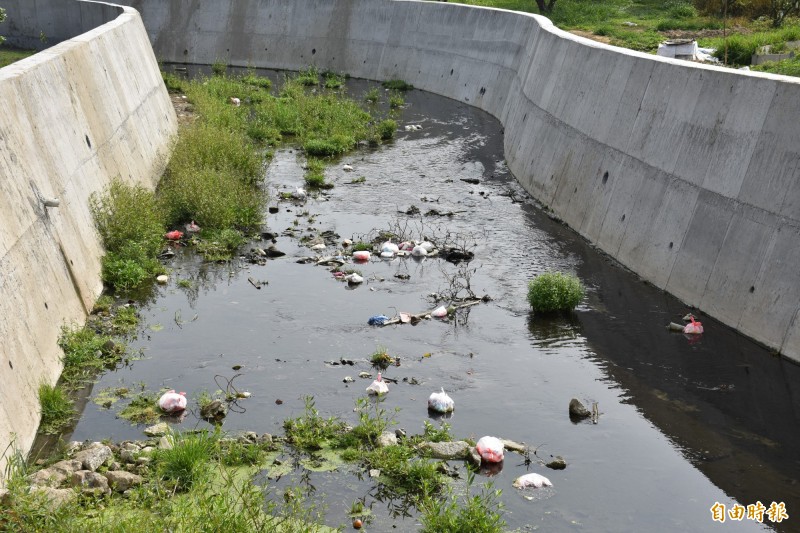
130 222
57 409
86 353
554 291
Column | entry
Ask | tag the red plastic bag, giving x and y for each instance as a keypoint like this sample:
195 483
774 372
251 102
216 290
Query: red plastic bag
694 327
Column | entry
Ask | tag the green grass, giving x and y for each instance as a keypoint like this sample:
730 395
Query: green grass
86 353
479 513
386 129
554 291
742 47
10 55
787 67
57 409
381 358
188 462
312 431
397 85
130 222
396 100
308 77
142 409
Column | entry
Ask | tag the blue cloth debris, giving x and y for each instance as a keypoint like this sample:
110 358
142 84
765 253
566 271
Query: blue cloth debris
377 320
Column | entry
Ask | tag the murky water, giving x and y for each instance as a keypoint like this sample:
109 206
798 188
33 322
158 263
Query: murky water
684 422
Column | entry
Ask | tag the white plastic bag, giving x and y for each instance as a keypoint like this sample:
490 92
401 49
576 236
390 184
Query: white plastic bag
693 327
172 402
490 449
361 255
441 402
532 480
439 312
378 386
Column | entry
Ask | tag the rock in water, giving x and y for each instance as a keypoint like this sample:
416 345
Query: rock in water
577 409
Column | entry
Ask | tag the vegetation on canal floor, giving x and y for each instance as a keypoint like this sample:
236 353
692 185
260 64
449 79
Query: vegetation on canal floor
215 175
207 481
554 291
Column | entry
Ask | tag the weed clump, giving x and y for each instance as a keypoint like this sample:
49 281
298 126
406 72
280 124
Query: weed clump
479 513
554 291
311 431
187 463
86 352
386 129
129 220
396 101
397 85
57 410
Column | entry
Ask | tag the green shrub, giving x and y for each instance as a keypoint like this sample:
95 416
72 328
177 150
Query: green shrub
220 245
311 431
308 77
787 67
57 410
395 101
126 214
397 85
479 513
386 129
330 146
86 352
219 67
188 462
332 80
554 291
682 10
173 83
372 95
251 78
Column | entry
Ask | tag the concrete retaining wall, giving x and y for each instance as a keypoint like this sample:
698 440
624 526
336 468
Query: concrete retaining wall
687 174
73 117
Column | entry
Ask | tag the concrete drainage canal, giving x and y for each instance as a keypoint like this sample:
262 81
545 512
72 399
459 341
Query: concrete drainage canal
681 423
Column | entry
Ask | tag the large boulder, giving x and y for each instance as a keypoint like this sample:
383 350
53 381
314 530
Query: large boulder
94 456
120 481
446 450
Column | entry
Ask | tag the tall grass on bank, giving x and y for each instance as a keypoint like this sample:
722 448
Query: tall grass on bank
57 410
742 47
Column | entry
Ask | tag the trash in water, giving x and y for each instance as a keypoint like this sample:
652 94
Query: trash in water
172 402
378 386
235 101
441 402
694 328
346 243
192 227
490 449
405 318
361 255
319 246
419 251
299 194
162 279
174 235
406 246
439 312
390 247
347 168
387 255
427 246
354 279
377 320
672 326
532 480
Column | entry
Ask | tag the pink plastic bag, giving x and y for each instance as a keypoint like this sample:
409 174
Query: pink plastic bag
172 402
490 449
693 327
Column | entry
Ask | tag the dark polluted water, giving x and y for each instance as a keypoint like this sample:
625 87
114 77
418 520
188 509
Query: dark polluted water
684 423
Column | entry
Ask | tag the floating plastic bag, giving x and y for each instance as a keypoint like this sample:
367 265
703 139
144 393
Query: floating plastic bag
419 251
490 449
174 235
532 480
192 227
354 279
441 402
390 247
693 327
427 246
361 255
377 320
378 386
406 246
387 255
439 312
172 402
